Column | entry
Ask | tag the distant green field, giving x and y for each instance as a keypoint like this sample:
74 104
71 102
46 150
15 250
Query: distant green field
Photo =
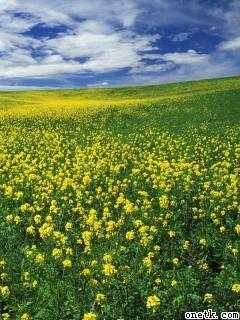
25 100
120 203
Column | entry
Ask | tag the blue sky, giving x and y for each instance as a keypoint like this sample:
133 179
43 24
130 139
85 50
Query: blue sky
100 43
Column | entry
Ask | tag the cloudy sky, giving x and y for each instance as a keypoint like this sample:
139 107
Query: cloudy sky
97 43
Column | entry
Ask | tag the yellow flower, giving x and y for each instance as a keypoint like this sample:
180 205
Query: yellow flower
147 262
234 251
26 276
46 230
89 316
68 226
49 219
174 283
86 272
109 269
5 316
25 316
208 297
129 235
94 282
67 263
222 229
171 233
31 230
57 253
86 180
4 290
9 218
164 202
93 263
8 191
129 207
17 219
107 257
202 265
40 258
202 242
3 275
100 297
237 228
37 218
186 245
158 281
153 302
236 287
69 251
2 263
175 261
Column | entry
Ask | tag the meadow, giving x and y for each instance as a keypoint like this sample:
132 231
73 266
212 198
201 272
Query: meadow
120 203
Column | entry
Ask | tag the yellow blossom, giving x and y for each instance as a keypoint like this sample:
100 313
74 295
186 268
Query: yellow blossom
109 269
67 263
208 297
89 316
173 283
4 291
172 234
202 242
153 302
130 235
186 245
5 316
164 202
237 228
100 297
57 253
39 258
236 287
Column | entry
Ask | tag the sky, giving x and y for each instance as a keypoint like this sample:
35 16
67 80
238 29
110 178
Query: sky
103 43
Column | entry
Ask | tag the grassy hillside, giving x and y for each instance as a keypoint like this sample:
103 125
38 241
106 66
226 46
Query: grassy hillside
65 101
120 203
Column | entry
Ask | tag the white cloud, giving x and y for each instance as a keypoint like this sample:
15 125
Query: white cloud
88 44
123 12
189 57
10 23
11 41
233 44
101 46
153 68
182 36
7 5
105 83
231 18
22 88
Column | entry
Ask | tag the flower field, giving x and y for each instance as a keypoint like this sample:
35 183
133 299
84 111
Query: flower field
120 203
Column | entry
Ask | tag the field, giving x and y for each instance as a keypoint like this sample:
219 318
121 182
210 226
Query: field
120 203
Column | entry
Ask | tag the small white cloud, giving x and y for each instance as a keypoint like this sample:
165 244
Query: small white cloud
21 88
189 57
180 37
233 44
153 68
